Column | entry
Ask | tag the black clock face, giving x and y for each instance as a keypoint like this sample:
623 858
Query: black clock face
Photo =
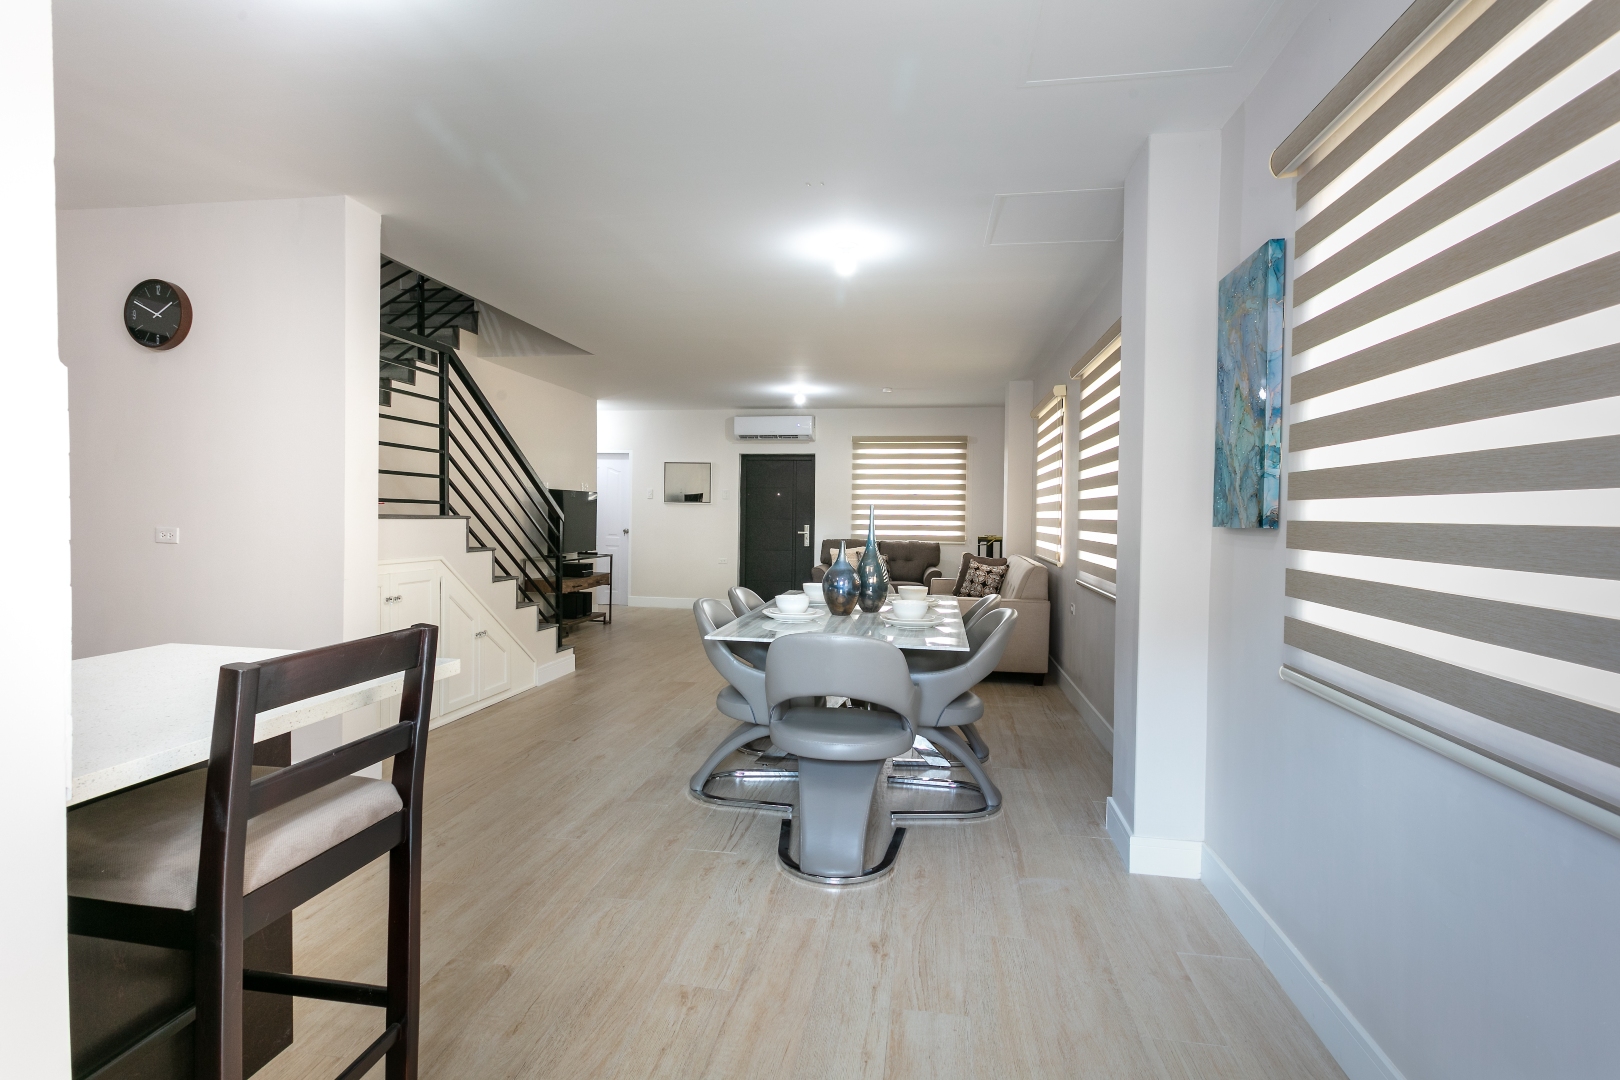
157 314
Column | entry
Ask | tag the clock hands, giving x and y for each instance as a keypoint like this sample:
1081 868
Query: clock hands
146 309
159 312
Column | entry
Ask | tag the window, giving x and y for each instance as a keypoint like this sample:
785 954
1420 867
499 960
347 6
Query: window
1097 463
1051 470
918 484
1453 495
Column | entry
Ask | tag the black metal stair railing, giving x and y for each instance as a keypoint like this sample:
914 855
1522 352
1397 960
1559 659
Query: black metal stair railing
445 452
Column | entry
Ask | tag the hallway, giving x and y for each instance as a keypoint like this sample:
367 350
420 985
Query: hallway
632 932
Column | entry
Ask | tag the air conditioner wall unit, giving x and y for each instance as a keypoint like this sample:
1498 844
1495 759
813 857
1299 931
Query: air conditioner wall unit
775 428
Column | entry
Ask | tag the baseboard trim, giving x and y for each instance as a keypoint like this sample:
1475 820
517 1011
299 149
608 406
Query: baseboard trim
554 669
1357 1053
1153 855
662 601
1096 722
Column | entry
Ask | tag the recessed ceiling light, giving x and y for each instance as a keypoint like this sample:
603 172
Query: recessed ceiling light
799 399
888 389
845 247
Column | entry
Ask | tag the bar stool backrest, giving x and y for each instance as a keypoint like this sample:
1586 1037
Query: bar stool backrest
824 665
744 600
748 680
232 796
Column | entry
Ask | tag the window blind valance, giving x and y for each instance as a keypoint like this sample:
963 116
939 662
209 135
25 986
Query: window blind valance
1097 461
1454 436
918 484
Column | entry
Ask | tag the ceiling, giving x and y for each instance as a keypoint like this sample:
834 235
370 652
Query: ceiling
631 177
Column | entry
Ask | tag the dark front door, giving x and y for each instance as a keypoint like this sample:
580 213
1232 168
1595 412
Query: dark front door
778 513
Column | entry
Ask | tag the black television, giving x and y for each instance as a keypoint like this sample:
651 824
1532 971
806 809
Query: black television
579 520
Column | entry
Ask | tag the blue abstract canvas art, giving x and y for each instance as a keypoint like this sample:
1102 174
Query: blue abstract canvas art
1248 409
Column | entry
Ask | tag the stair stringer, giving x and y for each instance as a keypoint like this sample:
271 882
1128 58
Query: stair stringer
405 538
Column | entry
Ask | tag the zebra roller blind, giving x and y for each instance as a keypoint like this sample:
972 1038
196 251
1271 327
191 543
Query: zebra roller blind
1454 437
1051 468
918 484
1097 462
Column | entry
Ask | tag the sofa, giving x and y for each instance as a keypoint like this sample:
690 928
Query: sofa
1024 591
911 562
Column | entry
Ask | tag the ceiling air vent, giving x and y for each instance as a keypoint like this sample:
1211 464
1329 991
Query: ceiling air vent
775 428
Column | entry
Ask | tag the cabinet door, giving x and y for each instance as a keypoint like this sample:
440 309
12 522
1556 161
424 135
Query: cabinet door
458 625
495 653
410 598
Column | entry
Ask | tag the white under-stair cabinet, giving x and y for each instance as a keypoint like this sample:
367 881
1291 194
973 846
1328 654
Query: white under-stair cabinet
493 665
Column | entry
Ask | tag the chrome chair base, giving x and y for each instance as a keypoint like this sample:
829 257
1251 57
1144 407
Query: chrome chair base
745 779
941 784
784 856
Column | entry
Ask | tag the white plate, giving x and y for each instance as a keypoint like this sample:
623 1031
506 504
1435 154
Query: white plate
911 624
793 616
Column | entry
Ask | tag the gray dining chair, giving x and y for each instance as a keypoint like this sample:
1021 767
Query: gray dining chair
984 606
948 701
838 823
744 600
743 700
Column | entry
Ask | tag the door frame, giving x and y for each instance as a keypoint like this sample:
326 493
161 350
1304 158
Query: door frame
742 508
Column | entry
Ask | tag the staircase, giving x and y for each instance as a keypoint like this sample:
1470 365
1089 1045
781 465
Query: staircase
444 453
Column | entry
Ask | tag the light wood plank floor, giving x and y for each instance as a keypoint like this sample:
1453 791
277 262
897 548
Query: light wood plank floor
584 918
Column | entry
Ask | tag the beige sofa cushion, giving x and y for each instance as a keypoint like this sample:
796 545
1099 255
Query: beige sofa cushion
1026 580
141 846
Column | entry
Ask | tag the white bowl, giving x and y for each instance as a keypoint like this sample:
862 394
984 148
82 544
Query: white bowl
812 589
912 592
792 602
910 610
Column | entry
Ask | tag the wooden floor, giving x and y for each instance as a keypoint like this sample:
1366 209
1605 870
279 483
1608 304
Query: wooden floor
585 918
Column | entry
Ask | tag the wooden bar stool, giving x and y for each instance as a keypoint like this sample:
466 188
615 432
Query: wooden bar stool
202 860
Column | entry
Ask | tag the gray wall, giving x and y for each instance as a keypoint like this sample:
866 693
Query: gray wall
1470 929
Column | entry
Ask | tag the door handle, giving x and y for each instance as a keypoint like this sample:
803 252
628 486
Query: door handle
627 532
392 599
805 532
482 633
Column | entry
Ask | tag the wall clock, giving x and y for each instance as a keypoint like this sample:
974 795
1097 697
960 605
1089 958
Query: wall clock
157 314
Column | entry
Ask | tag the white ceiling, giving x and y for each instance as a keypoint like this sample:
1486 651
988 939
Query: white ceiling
630 176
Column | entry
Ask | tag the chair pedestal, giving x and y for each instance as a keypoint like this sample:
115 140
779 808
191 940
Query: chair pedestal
840 832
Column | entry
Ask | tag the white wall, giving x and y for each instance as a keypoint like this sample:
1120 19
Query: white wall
677 549
256 436
555 428
1167 389
36 640
1469 929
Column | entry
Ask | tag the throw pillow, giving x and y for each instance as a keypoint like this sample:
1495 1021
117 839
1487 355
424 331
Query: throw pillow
969 560
982 579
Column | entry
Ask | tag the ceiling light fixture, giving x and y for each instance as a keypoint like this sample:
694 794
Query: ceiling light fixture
888 389
845 247
799 399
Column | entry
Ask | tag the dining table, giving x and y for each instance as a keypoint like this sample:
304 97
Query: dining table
140 715
764 625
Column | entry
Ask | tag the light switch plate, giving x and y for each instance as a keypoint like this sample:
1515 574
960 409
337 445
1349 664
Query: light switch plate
166 534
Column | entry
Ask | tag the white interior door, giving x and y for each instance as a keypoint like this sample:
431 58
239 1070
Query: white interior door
494 651
613 520
458 627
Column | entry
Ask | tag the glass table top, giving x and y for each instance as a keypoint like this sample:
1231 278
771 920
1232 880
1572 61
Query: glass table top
947 635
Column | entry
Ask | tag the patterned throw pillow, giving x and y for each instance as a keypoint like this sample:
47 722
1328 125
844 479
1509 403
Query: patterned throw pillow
982 579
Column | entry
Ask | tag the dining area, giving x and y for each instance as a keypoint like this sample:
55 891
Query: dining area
856 714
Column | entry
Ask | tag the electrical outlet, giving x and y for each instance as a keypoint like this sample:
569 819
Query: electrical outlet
649 493
1071 609
166 534
722 562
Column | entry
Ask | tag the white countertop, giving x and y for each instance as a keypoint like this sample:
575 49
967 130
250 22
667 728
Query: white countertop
146 712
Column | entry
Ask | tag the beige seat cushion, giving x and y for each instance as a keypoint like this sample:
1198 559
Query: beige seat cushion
141 846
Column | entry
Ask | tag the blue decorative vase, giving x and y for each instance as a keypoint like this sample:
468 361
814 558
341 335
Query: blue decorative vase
874 580
841 585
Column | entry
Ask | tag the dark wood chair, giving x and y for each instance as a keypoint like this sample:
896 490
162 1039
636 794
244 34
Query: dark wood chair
201 860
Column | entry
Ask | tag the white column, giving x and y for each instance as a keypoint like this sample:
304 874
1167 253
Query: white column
1018 470
1156 813
36 643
